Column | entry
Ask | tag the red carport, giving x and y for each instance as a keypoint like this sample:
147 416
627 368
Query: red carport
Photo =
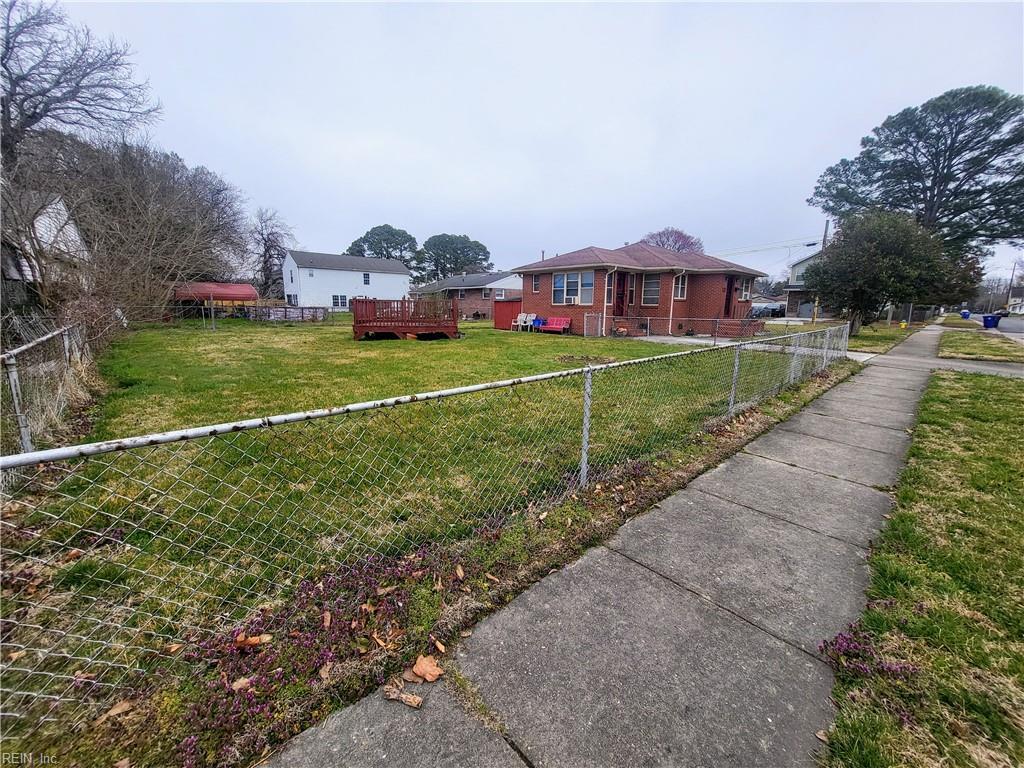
220 293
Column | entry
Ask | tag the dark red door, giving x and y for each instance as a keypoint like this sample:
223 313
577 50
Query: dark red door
730 288
619 305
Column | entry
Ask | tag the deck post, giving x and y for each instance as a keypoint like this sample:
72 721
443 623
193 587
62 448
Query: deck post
735 379
588 383
24 433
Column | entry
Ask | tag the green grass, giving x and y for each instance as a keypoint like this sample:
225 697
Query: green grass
879 337
168 378
966 345
955 321
137 549
945 619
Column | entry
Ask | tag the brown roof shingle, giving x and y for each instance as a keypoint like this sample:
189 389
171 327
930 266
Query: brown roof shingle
638 256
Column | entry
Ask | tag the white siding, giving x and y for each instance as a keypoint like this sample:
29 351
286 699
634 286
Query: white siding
317 287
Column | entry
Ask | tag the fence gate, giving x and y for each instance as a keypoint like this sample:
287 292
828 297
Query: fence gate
592 324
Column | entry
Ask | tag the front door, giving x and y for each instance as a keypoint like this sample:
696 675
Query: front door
730 288
619 303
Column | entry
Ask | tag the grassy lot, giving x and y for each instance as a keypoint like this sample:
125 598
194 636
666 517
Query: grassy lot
933 673
168 378
879 337
966 345
955 321
123 556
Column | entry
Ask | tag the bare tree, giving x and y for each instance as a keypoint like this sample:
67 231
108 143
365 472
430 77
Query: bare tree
674 240
269 238
59 76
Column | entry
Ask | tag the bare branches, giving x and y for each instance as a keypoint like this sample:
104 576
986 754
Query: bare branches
269 238
57 75
674 240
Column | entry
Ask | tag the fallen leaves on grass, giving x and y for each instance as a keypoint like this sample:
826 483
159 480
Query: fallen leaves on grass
427 668
459 573
243 640
393 691
118 709
241 684
327 619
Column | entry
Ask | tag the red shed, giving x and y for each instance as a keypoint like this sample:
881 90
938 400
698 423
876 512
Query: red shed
505 312
220 293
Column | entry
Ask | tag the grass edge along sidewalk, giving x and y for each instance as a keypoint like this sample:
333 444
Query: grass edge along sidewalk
979 345
408 605
933 672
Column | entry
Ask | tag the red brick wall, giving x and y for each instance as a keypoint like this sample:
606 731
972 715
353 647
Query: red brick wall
705 298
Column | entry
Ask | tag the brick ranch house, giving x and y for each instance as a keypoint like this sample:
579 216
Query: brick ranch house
640 289
476 292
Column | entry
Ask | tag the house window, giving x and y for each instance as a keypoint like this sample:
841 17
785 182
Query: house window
292 300
566 286
366 278
485 293
631 298
311 273
536 283
651 290
608 282
291 276
499 293
340 301
558 288
462 293
745 286
679 287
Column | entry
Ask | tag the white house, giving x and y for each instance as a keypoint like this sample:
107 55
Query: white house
334 279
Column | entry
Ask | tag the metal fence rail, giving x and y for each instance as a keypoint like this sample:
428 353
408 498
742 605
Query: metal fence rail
113 550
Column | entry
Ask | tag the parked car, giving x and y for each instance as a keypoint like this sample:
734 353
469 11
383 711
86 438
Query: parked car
1004 312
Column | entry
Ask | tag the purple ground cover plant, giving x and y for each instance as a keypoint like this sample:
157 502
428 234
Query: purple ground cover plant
853 652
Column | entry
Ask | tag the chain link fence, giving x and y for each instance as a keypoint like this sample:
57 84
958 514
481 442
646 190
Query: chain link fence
112 551
41 381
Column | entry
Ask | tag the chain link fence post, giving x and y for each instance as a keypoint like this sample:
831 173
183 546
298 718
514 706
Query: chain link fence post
826 348
588 384
24 433
735 379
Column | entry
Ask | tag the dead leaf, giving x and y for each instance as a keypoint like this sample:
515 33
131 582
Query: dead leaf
15 655
410 700
248 641
438 584
386 590
492 577
459 573
427 668
80 675
466 633
821 736
325 671
73 554
440 646
124 762
173 647
411 677
327 619
542 516
118 709
241 684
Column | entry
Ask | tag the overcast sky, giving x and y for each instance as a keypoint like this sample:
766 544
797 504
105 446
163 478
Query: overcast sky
550 127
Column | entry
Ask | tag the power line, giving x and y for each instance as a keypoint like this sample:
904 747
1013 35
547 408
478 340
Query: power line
791 243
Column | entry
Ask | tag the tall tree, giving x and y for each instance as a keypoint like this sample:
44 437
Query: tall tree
675 240
269 238
385 242
876 258
447 255
956 163
58 76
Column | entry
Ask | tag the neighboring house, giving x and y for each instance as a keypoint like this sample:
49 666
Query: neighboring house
39 228
636 281
334 279
800 301
476 292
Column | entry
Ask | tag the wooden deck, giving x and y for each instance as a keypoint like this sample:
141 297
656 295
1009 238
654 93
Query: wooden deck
405 318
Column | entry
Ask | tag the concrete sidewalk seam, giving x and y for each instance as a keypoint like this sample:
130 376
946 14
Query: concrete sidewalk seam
783 519
782 424
838 442
707 599
823 474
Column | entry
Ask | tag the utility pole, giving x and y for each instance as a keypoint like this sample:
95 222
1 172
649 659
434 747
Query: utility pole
1009 288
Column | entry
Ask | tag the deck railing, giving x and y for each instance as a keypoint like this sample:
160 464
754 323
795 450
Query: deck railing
402 312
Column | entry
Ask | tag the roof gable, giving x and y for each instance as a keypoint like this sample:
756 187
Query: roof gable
345 263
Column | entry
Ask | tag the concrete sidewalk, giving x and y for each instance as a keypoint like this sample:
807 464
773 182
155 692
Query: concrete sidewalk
920 353
691 637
